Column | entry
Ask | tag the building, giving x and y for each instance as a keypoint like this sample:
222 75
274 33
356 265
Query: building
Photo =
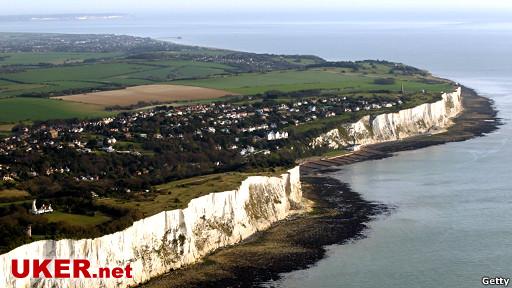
54 133
44 209
276 135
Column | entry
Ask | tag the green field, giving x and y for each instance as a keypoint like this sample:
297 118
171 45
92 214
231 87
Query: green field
292 80
55 58
132 146
61 79
320 123
116 70
69 75
177 194
21 109
171 69
4 204
13 193
77 219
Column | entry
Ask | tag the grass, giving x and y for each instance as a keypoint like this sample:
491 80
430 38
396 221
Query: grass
115 72
55 58
96 72
6 128
320 123
299 60
118 71
128 145
192 102
77 219
21 109
180 69
15 203
13 193
295 80
132 146
177 194
130 72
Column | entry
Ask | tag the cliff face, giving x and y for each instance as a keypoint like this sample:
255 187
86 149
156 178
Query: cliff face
170 239
425 118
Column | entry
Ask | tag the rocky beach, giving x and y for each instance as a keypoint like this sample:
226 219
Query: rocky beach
339 214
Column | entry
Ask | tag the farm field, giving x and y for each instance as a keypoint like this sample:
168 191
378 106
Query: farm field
74 78
6 128
55 58
147 94
21 109
295 80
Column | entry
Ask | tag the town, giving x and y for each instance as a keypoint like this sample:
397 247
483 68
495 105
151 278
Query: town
85 170
242 130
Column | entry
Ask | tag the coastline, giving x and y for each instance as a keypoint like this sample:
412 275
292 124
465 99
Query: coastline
477 119
291 244
337 217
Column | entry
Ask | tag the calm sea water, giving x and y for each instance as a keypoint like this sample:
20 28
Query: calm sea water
453 219
453 222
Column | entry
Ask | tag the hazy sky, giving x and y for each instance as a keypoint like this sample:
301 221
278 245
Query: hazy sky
12 7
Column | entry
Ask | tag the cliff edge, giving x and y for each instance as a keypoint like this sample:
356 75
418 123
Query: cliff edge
170 239
426 118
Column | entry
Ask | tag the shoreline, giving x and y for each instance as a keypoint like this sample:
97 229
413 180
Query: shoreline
299 242
289 245
477 119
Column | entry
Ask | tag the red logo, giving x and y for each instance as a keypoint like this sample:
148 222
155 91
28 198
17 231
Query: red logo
65 268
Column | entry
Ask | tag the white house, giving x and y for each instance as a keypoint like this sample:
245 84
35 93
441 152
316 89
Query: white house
276 135
42 210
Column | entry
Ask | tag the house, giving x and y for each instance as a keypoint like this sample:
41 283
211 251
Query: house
108 149
271 136
44 209
54 133
248 150
7 178
276 135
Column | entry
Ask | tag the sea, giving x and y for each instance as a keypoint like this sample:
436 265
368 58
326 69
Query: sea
452 224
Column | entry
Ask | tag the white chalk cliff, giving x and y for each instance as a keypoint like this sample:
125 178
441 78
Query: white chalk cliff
426 118
170 239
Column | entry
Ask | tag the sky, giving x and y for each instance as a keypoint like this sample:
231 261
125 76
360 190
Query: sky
18 7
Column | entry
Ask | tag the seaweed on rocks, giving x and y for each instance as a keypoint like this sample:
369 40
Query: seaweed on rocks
339 215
